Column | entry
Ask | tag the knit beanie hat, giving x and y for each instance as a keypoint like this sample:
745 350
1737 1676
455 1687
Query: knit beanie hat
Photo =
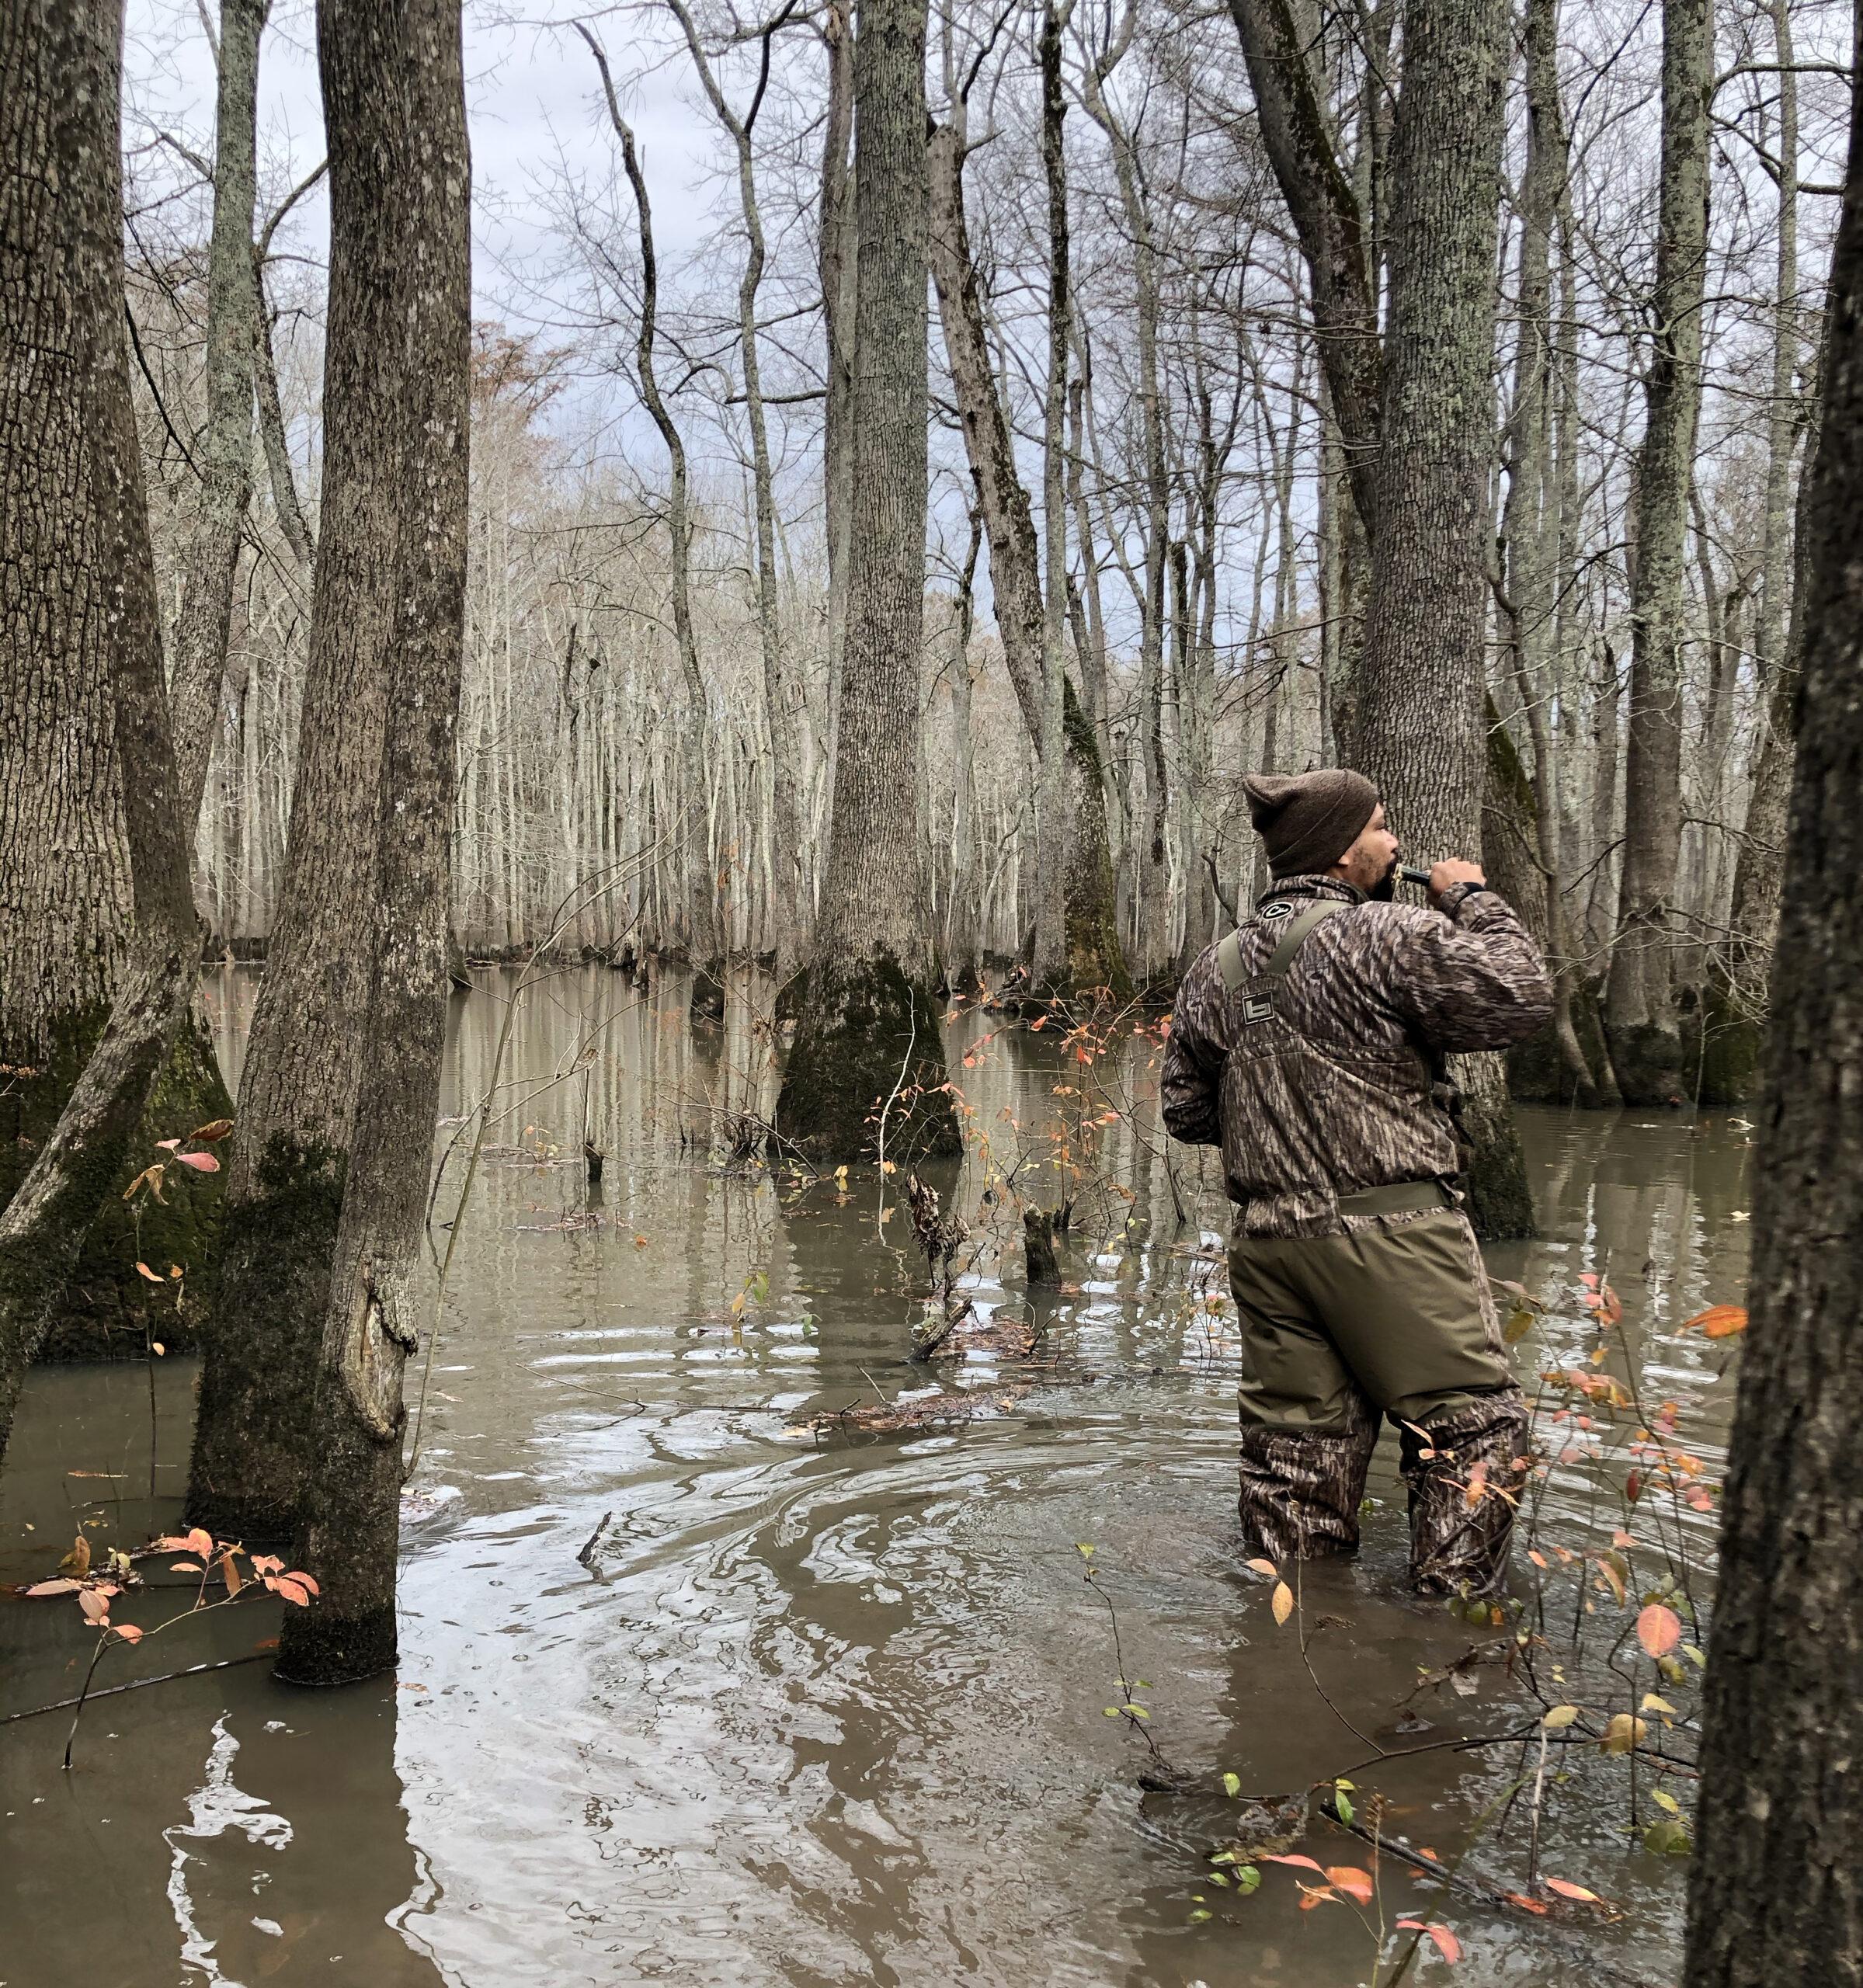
1308 821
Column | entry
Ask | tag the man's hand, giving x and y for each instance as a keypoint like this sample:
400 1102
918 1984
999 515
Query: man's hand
1445 876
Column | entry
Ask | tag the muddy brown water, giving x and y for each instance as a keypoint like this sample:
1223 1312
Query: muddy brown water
827 1711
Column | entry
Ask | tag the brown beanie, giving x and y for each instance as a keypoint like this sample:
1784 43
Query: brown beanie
1308 821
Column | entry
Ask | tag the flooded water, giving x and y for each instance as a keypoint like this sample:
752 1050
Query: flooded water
832 1707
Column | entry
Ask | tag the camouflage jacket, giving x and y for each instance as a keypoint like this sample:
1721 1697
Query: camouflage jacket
1329 1088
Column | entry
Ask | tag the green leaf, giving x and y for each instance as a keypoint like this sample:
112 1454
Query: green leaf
1232 1785
1080 1546
1196 1916
1248 1879
1342 1802
1667 1837
1217 1878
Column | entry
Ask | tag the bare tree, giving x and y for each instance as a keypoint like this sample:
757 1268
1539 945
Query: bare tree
869 1027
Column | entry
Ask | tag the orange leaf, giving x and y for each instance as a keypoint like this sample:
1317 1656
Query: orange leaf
1525 1904
185 1567
284 1585
1659 1629
53 1587
230 1574
303 1580
200 1541
202 1162
147 1272
1265 1567
1566 1890
217 1128
1302 1863
95 1606
128 1631
1283 1603
1445 1942
1718 1321
172 1543
1313 1895
1353 1882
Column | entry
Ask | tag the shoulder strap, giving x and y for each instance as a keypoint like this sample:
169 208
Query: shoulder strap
1295 935
1229 954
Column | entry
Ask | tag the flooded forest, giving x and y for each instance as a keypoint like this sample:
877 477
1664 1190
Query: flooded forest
646 658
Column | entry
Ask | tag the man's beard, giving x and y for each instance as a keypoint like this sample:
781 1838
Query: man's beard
1385 890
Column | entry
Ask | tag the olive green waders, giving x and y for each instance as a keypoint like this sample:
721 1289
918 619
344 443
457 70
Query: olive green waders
1392 1318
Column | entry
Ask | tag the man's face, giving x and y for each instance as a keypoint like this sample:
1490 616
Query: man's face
1370 861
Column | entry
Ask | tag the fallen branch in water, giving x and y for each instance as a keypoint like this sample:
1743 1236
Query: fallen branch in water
136 1683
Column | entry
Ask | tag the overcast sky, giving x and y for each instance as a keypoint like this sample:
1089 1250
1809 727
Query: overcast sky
531 97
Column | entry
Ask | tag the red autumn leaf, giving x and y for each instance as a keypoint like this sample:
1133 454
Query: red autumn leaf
1566 1890
202 1162
168 1145
1718 1321
1353 1882
1589 1278
149 1274
1433 1856
284 1585
1633 1485
1526 1904
55 1587
1659 1629
185 1567
266 1563
1301 1863
95 1605
215 1129
200 1541
1444 1941
127 1631
172 1543
303 1580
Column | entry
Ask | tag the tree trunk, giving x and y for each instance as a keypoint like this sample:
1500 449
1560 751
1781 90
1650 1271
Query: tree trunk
401 158
1015 570
695 864
1050 967
838 258
867 1067
1734 1013
291 1142
1420 734
226 444
1773 1889
1639 1008
78 607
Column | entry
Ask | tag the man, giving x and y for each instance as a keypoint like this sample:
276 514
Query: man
1308 1045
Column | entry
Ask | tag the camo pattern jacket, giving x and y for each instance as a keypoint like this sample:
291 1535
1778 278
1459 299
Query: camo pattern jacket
1331 1089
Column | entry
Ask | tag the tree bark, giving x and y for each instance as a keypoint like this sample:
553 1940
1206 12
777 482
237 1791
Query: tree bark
1420 733
399 142
867 1067
291 1142
1639 1009
1773 1889
74 534
225 447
